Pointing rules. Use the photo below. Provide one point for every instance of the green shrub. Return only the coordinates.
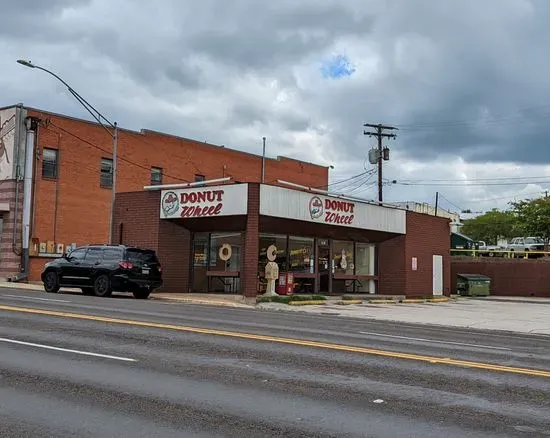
(347, 298)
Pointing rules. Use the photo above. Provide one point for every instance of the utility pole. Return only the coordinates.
(436, 202)
(383, 153)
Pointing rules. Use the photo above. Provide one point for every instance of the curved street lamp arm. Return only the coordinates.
(95, 113)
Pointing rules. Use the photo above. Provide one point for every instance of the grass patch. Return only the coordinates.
(348, 298)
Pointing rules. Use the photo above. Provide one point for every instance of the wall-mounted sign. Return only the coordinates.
(7, 143)
(299, 205)
(226, 200)
(414, 264)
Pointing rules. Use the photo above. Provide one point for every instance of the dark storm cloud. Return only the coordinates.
(451, 74)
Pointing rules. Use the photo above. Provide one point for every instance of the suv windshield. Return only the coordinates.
(140, 256)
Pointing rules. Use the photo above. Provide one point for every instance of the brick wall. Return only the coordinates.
(74, 208)
(426, 236)
(10, 262)
(174, 252)
(509, 277)
(249, 269)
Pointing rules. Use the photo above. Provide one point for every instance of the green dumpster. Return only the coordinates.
(473, 285)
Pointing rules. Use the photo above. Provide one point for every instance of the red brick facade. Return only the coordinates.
(426, 236)
(509, 277)
(10, 254)
(73, 208)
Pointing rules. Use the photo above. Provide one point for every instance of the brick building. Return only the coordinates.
(218, 239)
(56, 180)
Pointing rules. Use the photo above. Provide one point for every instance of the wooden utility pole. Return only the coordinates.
(379, 134)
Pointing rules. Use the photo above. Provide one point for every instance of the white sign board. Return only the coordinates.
(311, 207)
(7, 142)
(414, 264)
(209, 201)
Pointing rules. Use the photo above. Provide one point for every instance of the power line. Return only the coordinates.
(475, 179)
(110, 153)
(471, 184)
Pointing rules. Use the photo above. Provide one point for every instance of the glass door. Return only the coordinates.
(323, 264)
(199, 256)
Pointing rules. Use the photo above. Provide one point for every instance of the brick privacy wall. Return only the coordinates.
(249, 267)
(426, 236)
(74, 208)
(509, 277)
(391, 266)
(10, 262)
(139, 212)
(174, 252)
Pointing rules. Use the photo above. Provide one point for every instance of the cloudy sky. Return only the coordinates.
(467, 83)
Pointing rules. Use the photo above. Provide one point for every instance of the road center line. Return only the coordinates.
(434, 341)
(23, 297)
(288, 341)
(66, 350)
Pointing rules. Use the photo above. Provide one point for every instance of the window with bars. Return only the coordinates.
(49, 163)
(156, 176)
(106, 173)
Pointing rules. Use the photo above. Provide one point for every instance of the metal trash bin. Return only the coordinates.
(473, 285)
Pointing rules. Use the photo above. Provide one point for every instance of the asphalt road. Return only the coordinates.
(72, 365)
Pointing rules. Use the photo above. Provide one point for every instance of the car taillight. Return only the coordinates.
(126, 265)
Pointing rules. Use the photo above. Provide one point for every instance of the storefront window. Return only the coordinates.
(225, 251)
(266, 240)
(363, 261)
(302, 255)
(342, 257)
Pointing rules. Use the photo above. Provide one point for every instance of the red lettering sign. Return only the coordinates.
(338, 212)
(191, 203)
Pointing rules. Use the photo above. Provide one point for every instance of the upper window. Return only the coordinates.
(106, 175)
(156, 176)
(199, 178)
(49, 163)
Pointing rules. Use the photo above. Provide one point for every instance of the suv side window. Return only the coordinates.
(112, 255)
(93, 255)
(77, 254)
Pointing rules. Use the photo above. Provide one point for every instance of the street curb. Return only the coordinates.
(348, 302)
(437, 300)
(22, 286)
(382, 302)
(202, 302)
(413, 300)
(306, 303)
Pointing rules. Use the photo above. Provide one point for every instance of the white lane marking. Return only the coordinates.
(436, 342)
(66, 350)
(23, 297)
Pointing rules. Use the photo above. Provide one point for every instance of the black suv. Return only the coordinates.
(102, 269)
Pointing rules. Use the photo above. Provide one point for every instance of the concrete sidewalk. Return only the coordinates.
(507, 315)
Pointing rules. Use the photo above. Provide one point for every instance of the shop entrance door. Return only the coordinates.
(323, 264)
(199, 257)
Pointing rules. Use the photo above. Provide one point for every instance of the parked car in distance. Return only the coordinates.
(490, 250)
(526, 244)
(101, 270)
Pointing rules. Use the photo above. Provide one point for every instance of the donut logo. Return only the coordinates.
(315, 207)
(170, 203)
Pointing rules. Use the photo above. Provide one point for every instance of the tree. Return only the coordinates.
(533, 217)
(491, 226)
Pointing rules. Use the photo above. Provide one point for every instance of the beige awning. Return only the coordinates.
(4, 206)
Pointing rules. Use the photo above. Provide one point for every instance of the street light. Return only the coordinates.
(97, 116)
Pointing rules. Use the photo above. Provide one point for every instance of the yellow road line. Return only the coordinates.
(300, 342)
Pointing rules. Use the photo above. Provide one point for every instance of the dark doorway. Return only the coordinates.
(323, 264)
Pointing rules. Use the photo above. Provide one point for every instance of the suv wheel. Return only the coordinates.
(102, 286)
(51, 282)
(142, 294)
